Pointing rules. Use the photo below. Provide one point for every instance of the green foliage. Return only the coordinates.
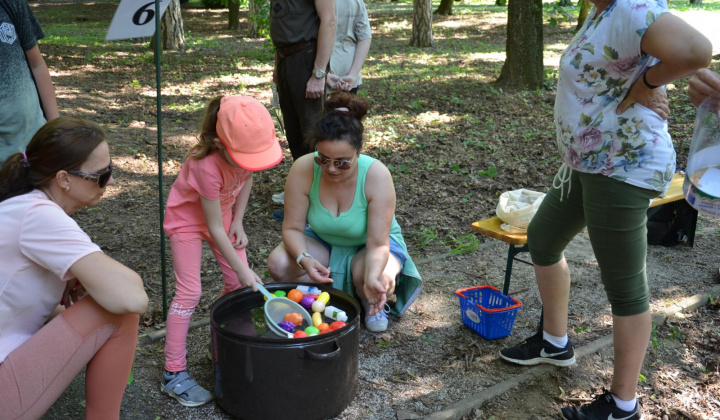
(490, 172)
(426, 236)
(464, 244)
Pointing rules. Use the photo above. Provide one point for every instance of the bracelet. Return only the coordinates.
(303, 255)
(644, 79)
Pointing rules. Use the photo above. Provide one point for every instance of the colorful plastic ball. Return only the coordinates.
(312, 331)
(287, 326)
(323, 326)
(318, 306)
(295, 295)
(307, 301)
(325, 331)
(300, 334)
(279, 293)
(337, 325)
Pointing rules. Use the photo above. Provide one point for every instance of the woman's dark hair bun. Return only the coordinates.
(356, 106)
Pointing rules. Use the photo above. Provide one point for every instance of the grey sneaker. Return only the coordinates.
(279, 198)
(377, 322)
(184, 389)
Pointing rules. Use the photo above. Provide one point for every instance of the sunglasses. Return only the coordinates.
(342, 164)
(101, 179)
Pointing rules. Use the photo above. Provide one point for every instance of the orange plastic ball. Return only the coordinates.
(295, 295)
(300, 334)
(323, 326)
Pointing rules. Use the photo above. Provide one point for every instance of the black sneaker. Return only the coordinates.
(535, 350)
(602, 408)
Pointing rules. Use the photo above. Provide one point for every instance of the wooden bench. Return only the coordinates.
(518, 241)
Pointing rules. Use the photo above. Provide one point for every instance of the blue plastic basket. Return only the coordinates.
(487, 311)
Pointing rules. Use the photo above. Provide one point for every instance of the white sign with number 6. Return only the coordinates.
(134, 19)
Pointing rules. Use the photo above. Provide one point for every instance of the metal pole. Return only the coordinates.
(161, 200)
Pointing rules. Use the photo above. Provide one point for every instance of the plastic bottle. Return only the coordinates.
(335, 313)
(702, 179)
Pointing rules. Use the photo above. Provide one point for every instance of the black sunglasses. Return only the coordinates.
(342, 164)
(101, 179)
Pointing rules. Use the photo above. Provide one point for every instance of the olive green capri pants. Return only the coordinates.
(615, 214)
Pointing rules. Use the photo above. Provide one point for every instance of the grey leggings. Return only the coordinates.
(615, 214)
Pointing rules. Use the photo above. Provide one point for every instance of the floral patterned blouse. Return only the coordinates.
(596, 71)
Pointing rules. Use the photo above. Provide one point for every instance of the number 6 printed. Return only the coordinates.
(134, 19)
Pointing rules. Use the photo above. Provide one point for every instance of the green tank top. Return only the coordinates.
(350, 227)
(348, 231)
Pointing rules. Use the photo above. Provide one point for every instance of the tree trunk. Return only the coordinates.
(565, 3)
(696, 2)
(234, 14)
(523, 68)
(253, 15)
(171, 26)
(585, 7)
(422, 24)
(445, 8)
(500, 2)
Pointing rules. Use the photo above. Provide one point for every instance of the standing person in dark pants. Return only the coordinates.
(303, 32)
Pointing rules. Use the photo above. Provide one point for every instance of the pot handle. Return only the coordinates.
(323, 356)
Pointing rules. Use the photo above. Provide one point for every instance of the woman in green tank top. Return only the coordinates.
(339, 224)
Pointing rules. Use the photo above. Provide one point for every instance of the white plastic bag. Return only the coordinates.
(516, 208)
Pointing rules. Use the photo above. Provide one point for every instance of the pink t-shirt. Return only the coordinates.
(38, 245)
(211, 177)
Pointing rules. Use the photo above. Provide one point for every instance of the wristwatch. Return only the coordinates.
(319, 73)
(303, 255)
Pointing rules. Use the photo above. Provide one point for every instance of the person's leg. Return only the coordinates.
(617, 218)
(299, 113)
(283, 267)
(35, 374)
(187, 256)
(557, 221)
(555, 224)
(631, 335)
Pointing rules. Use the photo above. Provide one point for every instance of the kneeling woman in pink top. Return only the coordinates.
(50, 264)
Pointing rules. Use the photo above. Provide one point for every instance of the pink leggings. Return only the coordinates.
(35, 374)
(187, 258)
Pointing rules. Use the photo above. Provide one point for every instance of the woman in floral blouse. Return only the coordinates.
(617, 156)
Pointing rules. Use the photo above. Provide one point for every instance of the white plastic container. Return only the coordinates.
(335, 313)
(702, 175)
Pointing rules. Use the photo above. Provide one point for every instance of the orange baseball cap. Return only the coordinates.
(247, 130)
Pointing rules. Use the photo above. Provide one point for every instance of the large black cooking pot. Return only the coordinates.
(260, 376)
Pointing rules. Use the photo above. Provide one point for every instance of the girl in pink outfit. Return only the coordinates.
(207, 203)
(50, 265)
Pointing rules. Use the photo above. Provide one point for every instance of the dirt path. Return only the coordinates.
(428, 362)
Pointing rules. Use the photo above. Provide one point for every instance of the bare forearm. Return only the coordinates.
(295, 242)
(222, 242)
(44, 84)
(361, 51)
(376, 258)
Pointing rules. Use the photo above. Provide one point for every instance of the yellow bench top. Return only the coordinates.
(491, 227)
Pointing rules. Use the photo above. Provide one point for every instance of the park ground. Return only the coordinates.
(453, 142)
